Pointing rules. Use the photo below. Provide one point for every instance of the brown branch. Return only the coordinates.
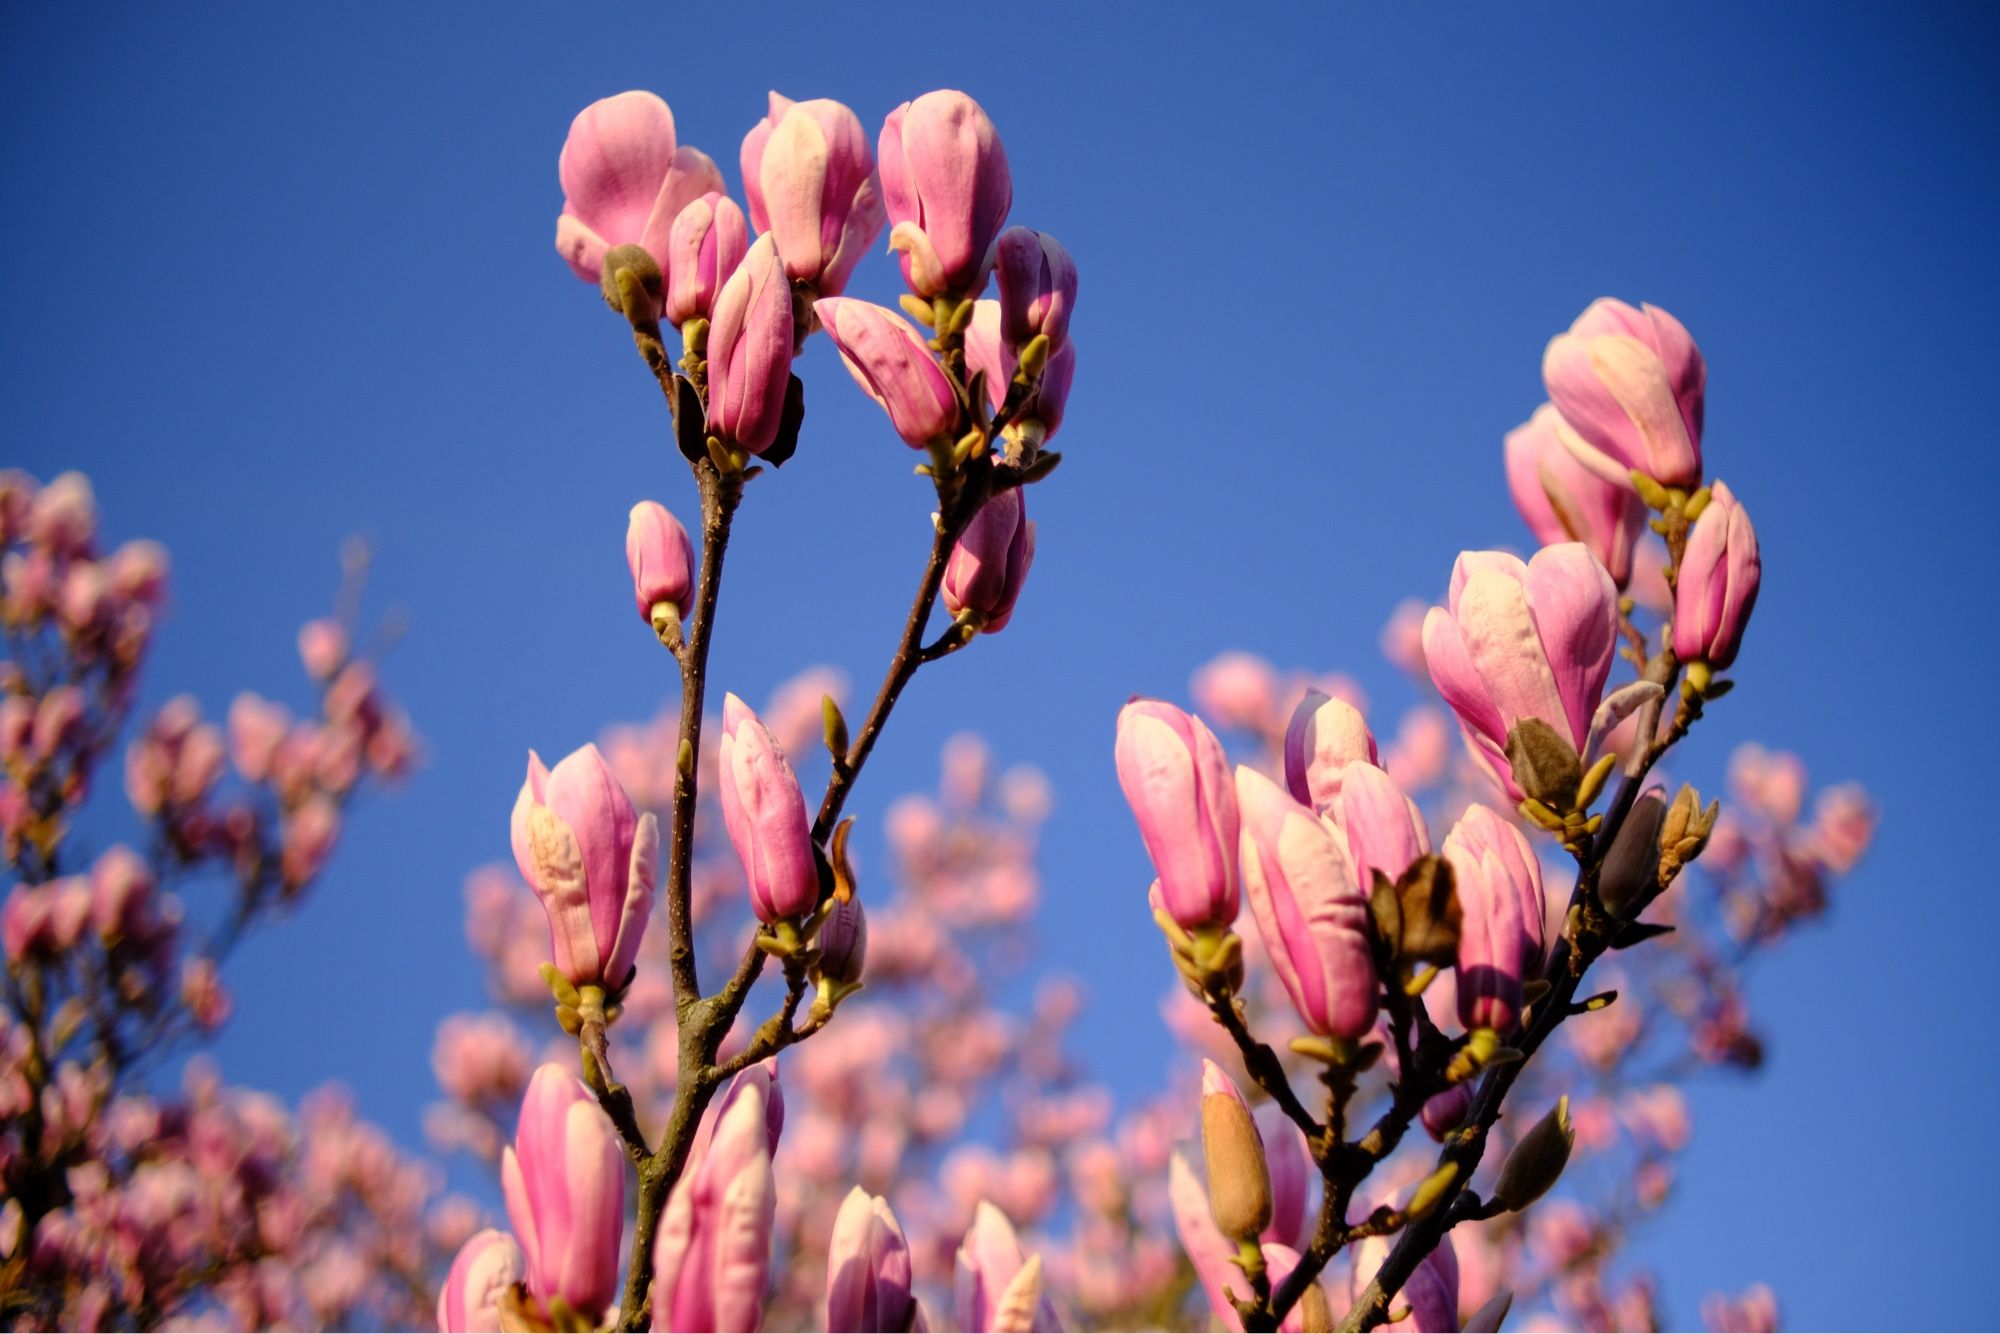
(719, 498)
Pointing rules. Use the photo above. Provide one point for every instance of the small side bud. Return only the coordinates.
(1433, 1190)
(843, 951)
(1537, 1161)
(1239, 1180)
(1685, 830)
(833, 728)
(1630, 877)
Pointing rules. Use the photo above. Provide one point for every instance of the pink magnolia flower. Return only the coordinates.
(868, 1269)
(485, 1267)
(1631, 383)
(1385, 830)
(713, 1256)
(1213, 1254)
(815, 189)
(1500, 898)
(1717, 583)
(591, 859)
(564, 1179)
(986, 350)
(1515, 641)
(1312, 918)
(989, 564)
(765, 814)
(1037, 287)
(947, 187)
(1292, 1176)
(750, 351)
(1431, 1294)
(751, 158)
(1324, 737)
(625, 179)
(662, 561)
(1564, 501)
(1176, 779)
(708, 241)
(996, 1284)
(893, 366)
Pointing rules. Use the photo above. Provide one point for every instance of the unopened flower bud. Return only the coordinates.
(1037, 287)
(1630, 383)
(989, 565)
(750, 351)
(1716, 586)
(1685, 830)
(1239, 1180)
(662, 564)
(1630, 876)
(1537, 1161)
(843, 943)
(947, 189)
(1176, 779)
(709, 239)
(765, 815)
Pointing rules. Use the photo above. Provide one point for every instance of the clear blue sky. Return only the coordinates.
(276, 274)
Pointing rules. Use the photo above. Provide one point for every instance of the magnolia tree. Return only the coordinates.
(1470, 964)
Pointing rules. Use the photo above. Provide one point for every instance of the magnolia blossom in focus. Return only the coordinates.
(1324, 737)
(1177, 780)
(591, 858)
(750, 351)
(947, 187)
(713, 1256)
(708, 240)
(989, 564)
(625, 180)
(1717, 585)
(1523, 640)
(564, 1178)
(891, 363)
(765, 814)
(1312, 918)
(1499, 884)
(1631, 384)
(810, 177)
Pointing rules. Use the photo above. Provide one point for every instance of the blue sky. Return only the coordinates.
(274, 275)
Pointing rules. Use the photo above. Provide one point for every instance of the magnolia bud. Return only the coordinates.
(1537, 1161)
(1685, 830)
(1630, 876)
(1239, 1181)
(843, 943)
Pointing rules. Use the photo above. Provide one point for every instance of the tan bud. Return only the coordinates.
(1630, 875)
(1537, 1162)
(1315, 1316)
(1239, 1180)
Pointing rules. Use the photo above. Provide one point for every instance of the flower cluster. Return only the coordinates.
(1426, 922)
(122, 1206)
